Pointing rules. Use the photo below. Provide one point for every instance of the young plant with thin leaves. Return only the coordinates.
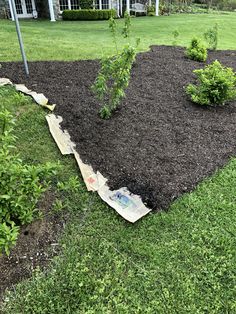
(114, 75)
(211, 36)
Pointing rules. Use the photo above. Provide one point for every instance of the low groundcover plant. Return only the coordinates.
(21, 185)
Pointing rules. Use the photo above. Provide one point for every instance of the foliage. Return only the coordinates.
(175, 34)
(112, 80)
(88, 14)
(114, 76)
(211, 36)
(216, 85)
(113, 29)
(151, 10)
(21, 185)
(127, 25)
(196, 51)
(195, 6)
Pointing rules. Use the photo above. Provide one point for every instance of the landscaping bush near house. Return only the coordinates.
(21, 185)
(196, 51)
(151, 10)
(88, 14)
(216, 85)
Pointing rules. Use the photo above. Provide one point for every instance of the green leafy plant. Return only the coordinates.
(127, 25)
(21, 185)
(175, 34)
(216, 85)
(197, 51)
(113, 29)
(211, 36)
(72, 184)
(151, 10)
(114, 75)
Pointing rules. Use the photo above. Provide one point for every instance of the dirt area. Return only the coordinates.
(36, 246)
(158, 143)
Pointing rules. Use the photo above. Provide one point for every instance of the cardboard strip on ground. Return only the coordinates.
(5, 81)
(62, 138)
(40, 99)
(128, 205)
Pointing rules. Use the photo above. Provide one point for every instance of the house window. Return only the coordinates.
(19, 9)
(105, 4)
(74, 4)
(29, 7)
(69, 5)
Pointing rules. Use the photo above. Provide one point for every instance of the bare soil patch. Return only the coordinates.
(36, 246)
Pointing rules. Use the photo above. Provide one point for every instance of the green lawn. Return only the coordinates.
(45, 40)
(180, 261)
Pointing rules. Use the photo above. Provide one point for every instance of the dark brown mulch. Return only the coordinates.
(36, 245)
(158, 144)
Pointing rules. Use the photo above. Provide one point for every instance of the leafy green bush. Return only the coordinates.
(151, 10)
(217, 85)
(114, 76)
(211, 36)
(21, 185)
(88, 14)
(196, 51)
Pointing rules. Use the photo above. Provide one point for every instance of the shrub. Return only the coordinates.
(21, 185)
(211, 36)
(196, 51)
(88, 14)
(217, 85)
(113, 78)
(151, 9)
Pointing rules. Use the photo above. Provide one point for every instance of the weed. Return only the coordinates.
(175, 34)
(211, 36)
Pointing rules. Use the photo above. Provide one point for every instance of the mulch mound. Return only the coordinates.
(158, 143)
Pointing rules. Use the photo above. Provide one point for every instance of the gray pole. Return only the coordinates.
(19, 37)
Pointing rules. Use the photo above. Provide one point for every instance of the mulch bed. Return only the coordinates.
(158, 143)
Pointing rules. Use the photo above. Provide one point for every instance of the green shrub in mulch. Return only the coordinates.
(216, 85)
(197, 51)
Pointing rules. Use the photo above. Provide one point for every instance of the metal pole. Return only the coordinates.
(19, 36)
